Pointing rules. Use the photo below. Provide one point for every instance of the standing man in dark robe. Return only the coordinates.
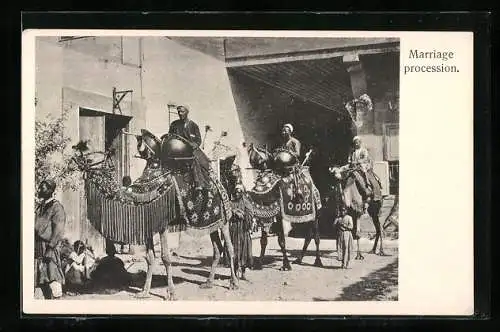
(189, 130)
(50, 220)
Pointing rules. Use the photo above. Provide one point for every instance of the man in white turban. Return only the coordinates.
(289, 142)
(359, 158)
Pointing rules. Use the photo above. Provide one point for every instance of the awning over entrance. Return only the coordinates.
(324, 82)
(315, 70)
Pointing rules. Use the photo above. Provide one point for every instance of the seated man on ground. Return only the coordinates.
(78, 267)
(110, 273)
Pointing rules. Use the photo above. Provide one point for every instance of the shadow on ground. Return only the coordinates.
(296, 252)
(204, 274)
(135, 285)
(138, 279)
(377, 286)
(201, 261)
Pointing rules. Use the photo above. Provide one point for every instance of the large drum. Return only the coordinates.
(284, 161)
(176, 152)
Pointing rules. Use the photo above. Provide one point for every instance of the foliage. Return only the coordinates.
(105, 180)
(52, 160)
(69, 167)
(101, 173)
(358, 106)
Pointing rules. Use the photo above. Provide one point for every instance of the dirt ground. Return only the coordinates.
(373, 279)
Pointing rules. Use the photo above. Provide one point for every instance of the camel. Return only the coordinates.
(351, 189)
(163, 159)
(267, 165)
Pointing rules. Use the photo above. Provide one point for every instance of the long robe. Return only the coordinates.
(360, 158)
(240, 229)
(345, 241)
(293, 145)
(48, 264)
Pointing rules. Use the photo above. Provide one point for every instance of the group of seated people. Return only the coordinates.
(83, 272)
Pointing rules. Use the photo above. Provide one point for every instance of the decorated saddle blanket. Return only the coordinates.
(157, 200)
(300, 198)
(359, 180)
(203, 211)
(127, 221)
(149, 186)
(262, 201)
(294, 196)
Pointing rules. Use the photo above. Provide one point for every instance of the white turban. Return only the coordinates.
(289, 126)
(184, 107)
(356, 138)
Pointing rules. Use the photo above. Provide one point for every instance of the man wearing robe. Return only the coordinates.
(289, 142)
(50, 220)
(360, 159)
(189, 130)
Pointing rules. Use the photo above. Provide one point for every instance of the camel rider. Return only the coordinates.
(189, 130)
(359, 159)
(290, 143)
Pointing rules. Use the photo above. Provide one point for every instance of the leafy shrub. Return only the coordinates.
(52, 159)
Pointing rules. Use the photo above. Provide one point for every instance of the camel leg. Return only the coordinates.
(375, 243)
(378, 228)
(218, 249)
(377, 235)
(307, 241)
(281, 241)
(359, 256)
(233, 284)
(150, 260)
(315, 226)
(356, 216)
(263, 245)
(167, 262)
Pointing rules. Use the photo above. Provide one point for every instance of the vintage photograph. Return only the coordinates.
(216, 168)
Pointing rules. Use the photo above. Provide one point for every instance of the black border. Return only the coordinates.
(478, 22)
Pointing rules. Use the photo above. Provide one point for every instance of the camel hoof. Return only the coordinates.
(143, 295)
(360, 257)
(298, 261)
(383, 254)
(233, 285)
(170, 296)
(207, 285)
(318, 263)
(286, 267)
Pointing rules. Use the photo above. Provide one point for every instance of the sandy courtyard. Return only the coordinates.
(374, 278)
